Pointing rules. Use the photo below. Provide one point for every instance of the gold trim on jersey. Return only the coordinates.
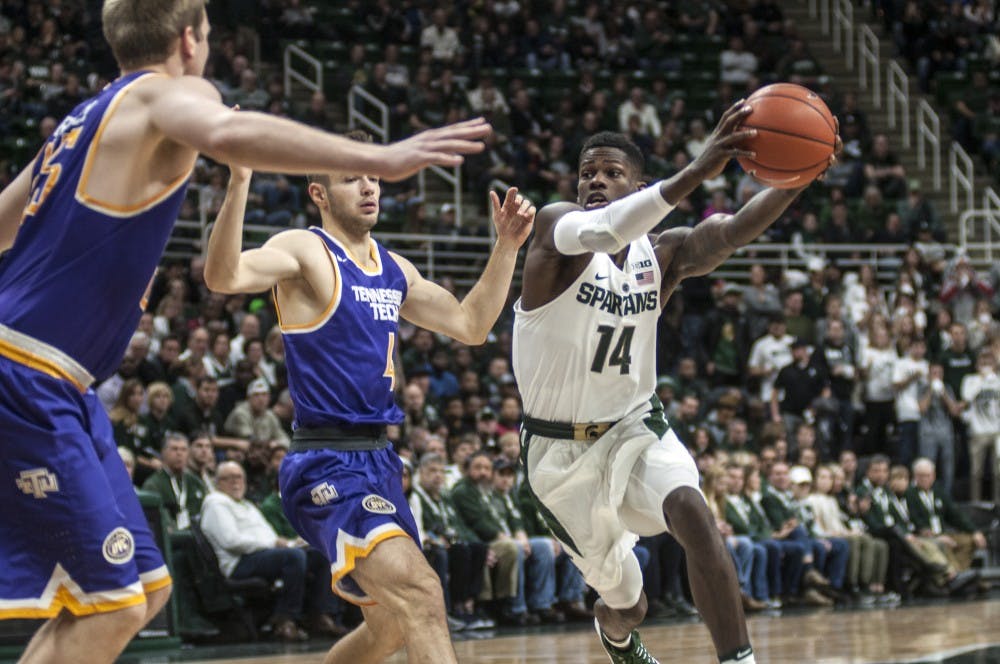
(62, 592)
(42, 357)
(113, 209)
(331, 307)
(350, 548)
(372, 253)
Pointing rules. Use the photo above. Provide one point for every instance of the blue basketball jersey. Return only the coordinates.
(76, 274)
(340, 368)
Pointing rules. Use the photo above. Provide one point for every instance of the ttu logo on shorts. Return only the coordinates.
(118, 547)
(37, 482)
(323, 494)
(378, 505)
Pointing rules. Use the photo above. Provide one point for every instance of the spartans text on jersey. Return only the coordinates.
(619, 305)
(385, 302)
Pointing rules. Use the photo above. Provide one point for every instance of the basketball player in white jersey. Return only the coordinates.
(85, 224)
(601, 460)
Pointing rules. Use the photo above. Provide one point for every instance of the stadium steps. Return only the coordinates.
(844, 79)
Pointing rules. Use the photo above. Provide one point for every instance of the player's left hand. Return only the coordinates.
(514, 219)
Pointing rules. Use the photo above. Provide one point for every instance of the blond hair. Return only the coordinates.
(142, 32)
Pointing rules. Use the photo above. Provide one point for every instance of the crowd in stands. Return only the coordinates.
(954, 50)
(547, 75)
(835, 422)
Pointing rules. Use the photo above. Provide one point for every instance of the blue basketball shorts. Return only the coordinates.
(72, 532)
(344, 503)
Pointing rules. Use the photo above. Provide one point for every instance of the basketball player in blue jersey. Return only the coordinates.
(339, 296)
(85, 224)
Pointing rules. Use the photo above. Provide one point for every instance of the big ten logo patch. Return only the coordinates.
(119, 547)
(378, 505)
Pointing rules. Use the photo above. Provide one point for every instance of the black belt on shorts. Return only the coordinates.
(353, 438)
(566, 430)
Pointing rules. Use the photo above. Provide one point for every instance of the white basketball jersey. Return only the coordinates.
(590, 354)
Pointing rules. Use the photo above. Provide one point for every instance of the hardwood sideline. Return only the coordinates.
(823, 637)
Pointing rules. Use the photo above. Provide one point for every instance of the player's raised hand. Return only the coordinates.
(441, 147)
(514, 219)
(725, 141)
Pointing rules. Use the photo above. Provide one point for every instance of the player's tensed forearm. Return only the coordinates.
(715, 239)
(485, 301)
(226, 241)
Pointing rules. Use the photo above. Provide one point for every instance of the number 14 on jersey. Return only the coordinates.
(621, 354)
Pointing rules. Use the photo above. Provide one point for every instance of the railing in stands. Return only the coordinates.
(962, 175)
(972, 224)
(293, 56)
(843, 30)
(453, 177)
(462, 258)
(929, 132)
(869, 52)
(898, 92)
(358, 101)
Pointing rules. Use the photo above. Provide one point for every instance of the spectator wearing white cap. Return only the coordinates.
(251, 419)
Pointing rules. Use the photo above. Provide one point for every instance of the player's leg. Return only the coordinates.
(374, 640)
(710, 569)
(621, 608)
(663, 493)
(397, 576)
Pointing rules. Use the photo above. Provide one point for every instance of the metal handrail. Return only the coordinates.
(356, 116)
(980, 252)
(898, 92)
(960, 178)
(843, 25)
(314, 83)
(929, 131)
(869, 53)
(453, 177)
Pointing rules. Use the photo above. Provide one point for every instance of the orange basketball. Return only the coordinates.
(795, 136)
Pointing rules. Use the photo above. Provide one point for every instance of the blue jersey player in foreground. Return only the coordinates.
(85, 224)
(339, 295)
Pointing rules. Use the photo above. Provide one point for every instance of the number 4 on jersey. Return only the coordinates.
(621, 354)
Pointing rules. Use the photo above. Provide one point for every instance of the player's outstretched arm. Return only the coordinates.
(692, 252)
(613, 227)
(189, 110)
(230, 270)
(689, 252)
(13, 200)
(470, 321)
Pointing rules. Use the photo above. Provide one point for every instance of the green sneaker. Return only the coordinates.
(636, 653)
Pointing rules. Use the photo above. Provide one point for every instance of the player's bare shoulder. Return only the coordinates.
(545, 222)
(155, 89)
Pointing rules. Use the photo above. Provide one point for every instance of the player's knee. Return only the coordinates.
(685, 509)
(156, 600)
(418, 596)
(130, 620)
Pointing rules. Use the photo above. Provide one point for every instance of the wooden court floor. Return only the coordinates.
(912, 634)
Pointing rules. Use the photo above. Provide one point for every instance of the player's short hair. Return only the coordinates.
(359, 135)
(613, 139)
(142, 32)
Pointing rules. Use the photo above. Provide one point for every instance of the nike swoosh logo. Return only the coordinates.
(341, 259)
(743, 653)
(600, 276)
